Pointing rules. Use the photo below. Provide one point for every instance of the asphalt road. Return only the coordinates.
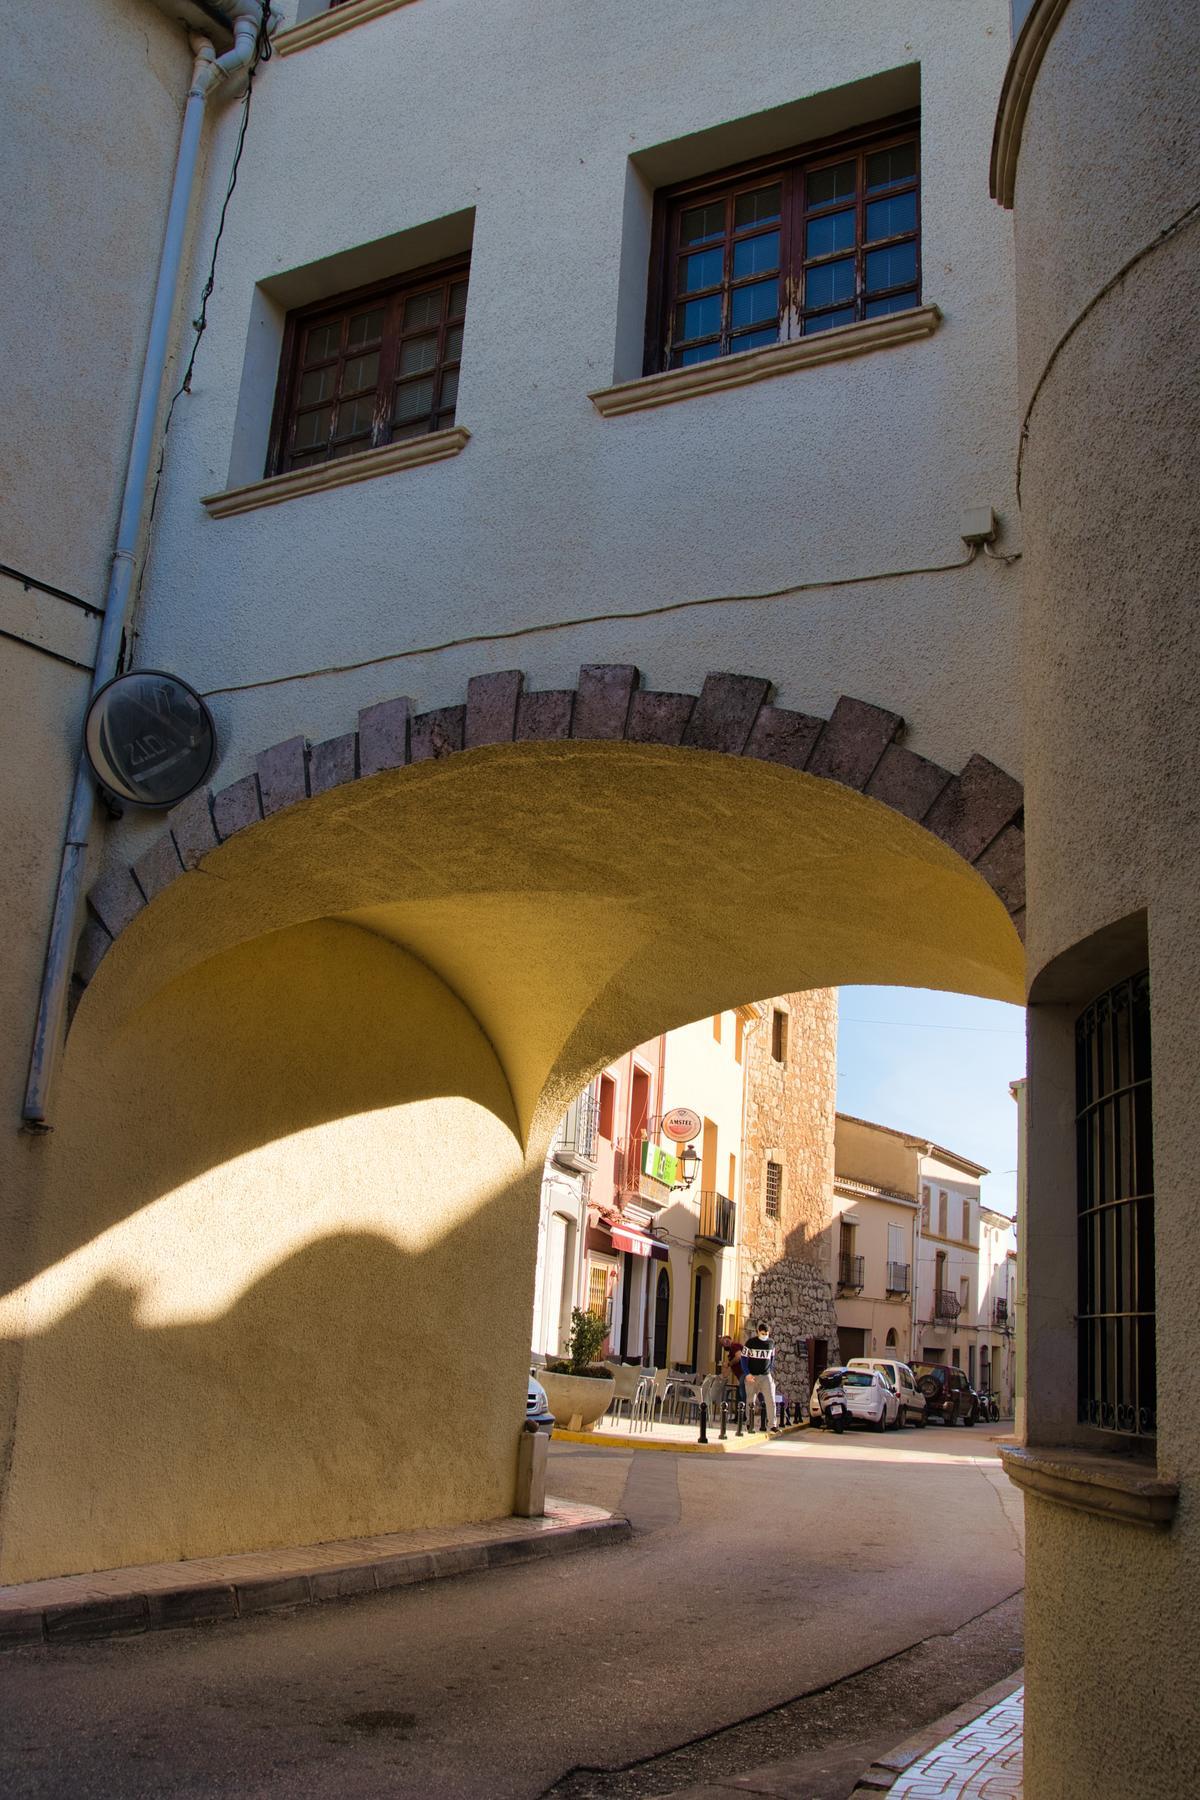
(751, 1581)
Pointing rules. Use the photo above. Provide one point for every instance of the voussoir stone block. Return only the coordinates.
(724, 715)
(383, 733)
(438, 733)
(492, 708)
(159, 866)
(192, 827)
(1002, 866)
(116, 899)
(544, 716)
(237, 806)
(974, 808)
(602, 700)
(283, 775)
(908, 783)
(781, 736)
(658, 718)
(854, 740)
(333, 762)
(94, 944)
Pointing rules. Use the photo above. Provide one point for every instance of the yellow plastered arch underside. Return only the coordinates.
(580, 897)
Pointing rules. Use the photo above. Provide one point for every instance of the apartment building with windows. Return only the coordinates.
(996, 1320)
(874, 1239)
(946, 1311)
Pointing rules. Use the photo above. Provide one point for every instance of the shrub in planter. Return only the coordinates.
(578, 1394)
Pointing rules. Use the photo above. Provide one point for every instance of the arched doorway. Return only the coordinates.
(890, 1341)
(662, 1319)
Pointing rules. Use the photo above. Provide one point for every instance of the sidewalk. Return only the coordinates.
(159, 1596)
(974, 1753)
(669, 1436)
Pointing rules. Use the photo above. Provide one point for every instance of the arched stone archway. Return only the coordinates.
(977, 812)
(333, 1015)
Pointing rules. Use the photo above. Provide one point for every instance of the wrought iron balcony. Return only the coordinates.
(946, 1305)
(576, 1145)
(850, 1271)
(718, 1218)
(1000, 1312)
(898, 1278)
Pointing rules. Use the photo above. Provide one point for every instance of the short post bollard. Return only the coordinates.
(762, 1412)
(703, 1422)
(724, 1421)
(741, 1416)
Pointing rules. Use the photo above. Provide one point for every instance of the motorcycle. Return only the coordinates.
(834, 1411)
(989, 1409)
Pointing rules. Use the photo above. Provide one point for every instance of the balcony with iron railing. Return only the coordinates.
(575, 1146)
(898, 1281)
(850, 1271)
(718, 1218)
(945, 1304)
(1000, 1313)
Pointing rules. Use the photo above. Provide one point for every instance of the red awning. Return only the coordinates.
(636, 1242)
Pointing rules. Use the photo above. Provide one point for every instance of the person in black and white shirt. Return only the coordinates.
(759, 1354)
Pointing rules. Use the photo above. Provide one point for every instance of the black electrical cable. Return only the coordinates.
(263, 52)
(31, 644)
(44, 587)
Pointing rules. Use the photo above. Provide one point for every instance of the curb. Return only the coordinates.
(886, 1770)
(612, 1440)
(208, 1602)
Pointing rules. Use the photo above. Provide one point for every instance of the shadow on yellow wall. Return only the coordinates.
(277, 1284)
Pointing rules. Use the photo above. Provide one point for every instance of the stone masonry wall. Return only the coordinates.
(796, 1301)
(790, 1112)
(790, 1109)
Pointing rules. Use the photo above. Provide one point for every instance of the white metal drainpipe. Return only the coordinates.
(208, 72)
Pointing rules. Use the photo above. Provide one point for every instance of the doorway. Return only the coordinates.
(662, 1318)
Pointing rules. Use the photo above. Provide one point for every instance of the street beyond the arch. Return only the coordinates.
(807, 1603)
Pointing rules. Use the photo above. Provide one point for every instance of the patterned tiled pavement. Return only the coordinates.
(980, 1762)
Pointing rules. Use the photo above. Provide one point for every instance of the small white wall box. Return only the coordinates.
(978, 525)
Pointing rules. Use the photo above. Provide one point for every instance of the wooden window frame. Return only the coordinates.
(791, 167)
(394, 295)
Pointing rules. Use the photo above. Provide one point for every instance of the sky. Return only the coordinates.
(937, 1065)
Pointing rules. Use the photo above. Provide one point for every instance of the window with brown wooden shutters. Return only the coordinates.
(786, 247)
(370, 368)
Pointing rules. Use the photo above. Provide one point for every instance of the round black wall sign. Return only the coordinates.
(149, 738)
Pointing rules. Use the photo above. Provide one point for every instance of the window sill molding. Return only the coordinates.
(1110, 1487)
(410, 453)
(772, 359)
(332, 24)
(1028, 53)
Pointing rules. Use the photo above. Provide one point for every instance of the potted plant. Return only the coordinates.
(577, 1392)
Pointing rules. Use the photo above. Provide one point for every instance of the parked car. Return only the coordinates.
(912, 1400)
(948, 1393)
(870, 1398)
(537, 1410)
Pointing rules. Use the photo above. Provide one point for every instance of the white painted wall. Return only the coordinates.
(529, 120)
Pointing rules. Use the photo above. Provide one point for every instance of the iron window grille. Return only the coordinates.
(850, 1270)
(1115, 1194)
(369, 368)
(774, 1189)
(946, 1305)
(786, 247)
(898, 1278)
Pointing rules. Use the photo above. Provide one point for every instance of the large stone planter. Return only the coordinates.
(576, 1401)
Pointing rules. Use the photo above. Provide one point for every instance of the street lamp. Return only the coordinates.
(689, 1162)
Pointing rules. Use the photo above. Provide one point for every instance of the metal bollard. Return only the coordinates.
(724, 1421)
(741, 1416)
(762, 1412)
(703, 1422)
(780, 1414)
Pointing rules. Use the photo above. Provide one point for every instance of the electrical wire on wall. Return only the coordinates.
(262, 53)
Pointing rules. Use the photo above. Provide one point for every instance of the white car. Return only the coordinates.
(869, 1397)
(912, 1400)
